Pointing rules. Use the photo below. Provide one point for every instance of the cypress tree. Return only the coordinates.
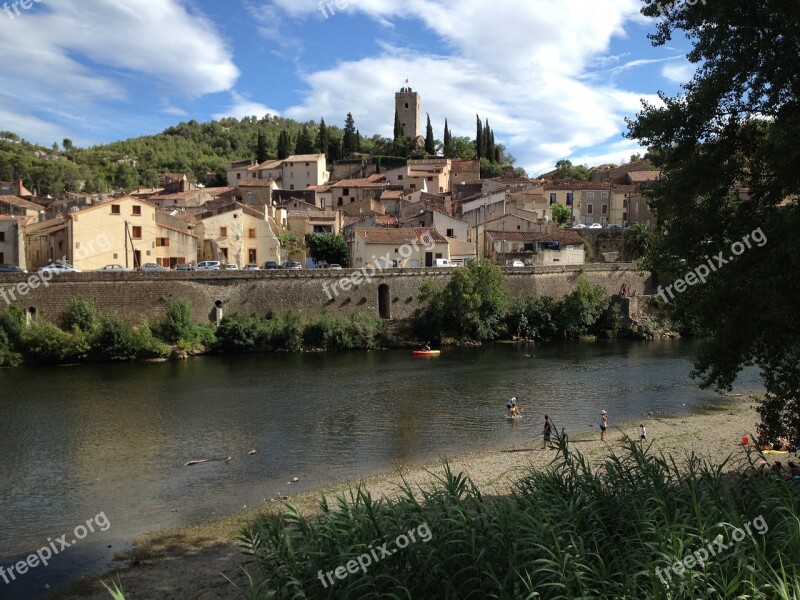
(349, 141)
(322, 137)
(358, 141)
(488, 151)
(305, 144)
(430, 143)
(447, 140)
(262, 150)
(479, 139)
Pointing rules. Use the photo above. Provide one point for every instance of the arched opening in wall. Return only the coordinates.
(30, 315)
(384, 301)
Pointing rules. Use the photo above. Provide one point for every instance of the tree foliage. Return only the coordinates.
(727, 147)
(327, 248)
(349, 144)
(561, 214)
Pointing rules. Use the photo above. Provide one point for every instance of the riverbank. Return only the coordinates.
(189, 562)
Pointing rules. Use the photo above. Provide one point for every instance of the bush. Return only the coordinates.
(179, 325)
(81, 315)
(116, 341)
(582, 309)
(12, 325)
(45, 344)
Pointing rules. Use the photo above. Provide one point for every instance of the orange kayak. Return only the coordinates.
(426, 352)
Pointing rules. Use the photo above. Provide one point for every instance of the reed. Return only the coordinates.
(569, 531)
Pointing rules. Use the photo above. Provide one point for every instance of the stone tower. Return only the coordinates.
(407, 104)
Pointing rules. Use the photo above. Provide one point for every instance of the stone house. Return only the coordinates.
(404, 247)
(240, 234)
(559, 247)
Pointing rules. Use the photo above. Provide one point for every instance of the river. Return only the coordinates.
(110, 442)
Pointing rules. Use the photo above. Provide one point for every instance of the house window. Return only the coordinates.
(291, 187)
(77, 245)
(603, 195)
(224, 253)
(238, 176)
(590, 196)
(413, 186)
(399, 178)
(430, 178)
(569, 198)
(450, 233)
(625, 203)
(553, 198)
(341, 201)
(136, 232)
(252, 256)
(137, 211)
(2, 238)
(115, 209)
(249, 194)
(307, 164)
(604, 209)
(251, 233)
(116, 256)
(589, 209)
(162, 242)
(2, 258)
(346, 192)
(406, 104)
(223, 232)
(308, 173)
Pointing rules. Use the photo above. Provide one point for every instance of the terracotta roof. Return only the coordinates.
(398, 237)
(256, 183)
(386, 220)
(392, 195)
(561, 236)
(357, 183)
(270, 164)
(574, 184)
(305, 158)
(21, 202)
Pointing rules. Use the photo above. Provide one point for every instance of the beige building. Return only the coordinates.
(401, 248)
(556, 248)
(15, 206)
(428, 175)
(121, 231)
(240, 235)
(304, 170)
(12, 240)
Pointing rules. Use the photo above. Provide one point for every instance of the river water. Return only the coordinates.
(110, 442)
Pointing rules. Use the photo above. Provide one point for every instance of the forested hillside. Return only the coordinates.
(201, 148)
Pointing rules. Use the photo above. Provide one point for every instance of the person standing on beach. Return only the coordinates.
(642, 434)
(546, 432)
(603, 424)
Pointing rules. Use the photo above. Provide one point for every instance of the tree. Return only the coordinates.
(305, 144)
(322, 137)
(358, 141)
(638, 238)
(67, 145)
(327, 248)
(462, 147)
(581, 309)
(349, 143)
(430, 143)
(728, 153)
(479, 149)
(9, 135)
(472, 305)
(448, 145)
(399, 142)
(561, 214)
(488, 150)
(262, 150)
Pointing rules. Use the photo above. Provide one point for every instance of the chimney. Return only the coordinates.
(19, 188)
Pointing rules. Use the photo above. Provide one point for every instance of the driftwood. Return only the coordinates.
(205, 460)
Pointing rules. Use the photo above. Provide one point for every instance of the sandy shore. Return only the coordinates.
(189, 562)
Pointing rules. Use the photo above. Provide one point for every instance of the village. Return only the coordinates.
(260, 220)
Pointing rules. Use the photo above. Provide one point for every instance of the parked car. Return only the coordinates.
(184, 267)
(208, 265)
(113, 269)
(579, 226)
(595, 226)
(58, 267)
(252, 267)
(614, 226)
(152, 268)
(292, 265)
(442, 262)
(335, 267)
(4, 268)
(230, 267)
(515, 263)
(271, 264)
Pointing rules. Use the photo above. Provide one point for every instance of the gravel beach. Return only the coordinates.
(189, 562)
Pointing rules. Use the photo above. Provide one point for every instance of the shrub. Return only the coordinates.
(12, 324)
(116, 341)
(582, 309)
(80, 315)
(45, 344)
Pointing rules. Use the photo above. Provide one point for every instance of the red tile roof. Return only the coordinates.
(560, 236)
(400, 236)
(256, 183)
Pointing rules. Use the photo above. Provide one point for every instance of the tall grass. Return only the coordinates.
(563, 533)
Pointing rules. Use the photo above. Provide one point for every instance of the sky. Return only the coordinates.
(555, 78)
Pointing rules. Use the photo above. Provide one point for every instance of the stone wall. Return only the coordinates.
(133, 295)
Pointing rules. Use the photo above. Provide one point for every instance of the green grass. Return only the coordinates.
(567, 532)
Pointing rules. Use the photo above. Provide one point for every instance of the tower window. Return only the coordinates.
(406, 104)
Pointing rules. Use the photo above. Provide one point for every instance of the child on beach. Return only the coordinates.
(642, 433)
(603, 424)
(546, 432)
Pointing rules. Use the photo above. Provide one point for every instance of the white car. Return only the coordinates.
(230, 267)
(252, 267)
(595, 226)
(113, 269)
(58, 267)
(579, 226)
(208, 265)
(515, 263)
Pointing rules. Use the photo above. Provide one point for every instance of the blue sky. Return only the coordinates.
(555, 78)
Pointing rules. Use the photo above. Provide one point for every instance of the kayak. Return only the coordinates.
(426, 352)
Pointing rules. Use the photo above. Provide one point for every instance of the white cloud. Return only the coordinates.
(83, 54)
(680, 73)
(242, 106)
(525, 66)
